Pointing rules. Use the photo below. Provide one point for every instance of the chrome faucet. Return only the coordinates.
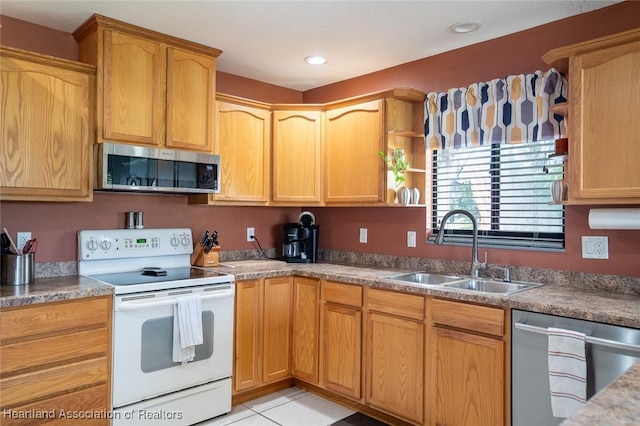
(476, 266)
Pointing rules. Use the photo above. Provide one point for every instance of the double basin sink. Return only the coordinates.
(481, 285)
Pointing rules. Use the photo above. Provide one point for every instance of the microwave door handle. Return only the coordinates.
(137, 305)
(589, 339)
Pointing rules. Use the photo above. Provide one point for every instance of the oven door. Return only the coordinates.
(143, 340)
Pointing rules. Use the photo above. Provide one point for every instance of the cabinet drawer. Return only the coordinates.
(35, 353)
(406, 305)
(54, 317)
(31, 386)
(482, 319)
(345, 294)
(94, 400)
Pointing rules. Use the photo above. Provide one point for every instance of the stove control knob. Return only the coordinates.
(174, 241)
(92, 245)
(105, 244)
(186, 240)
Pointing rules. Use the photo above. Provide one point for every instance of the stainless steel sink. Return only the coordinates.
(425, 278)
(492, 286)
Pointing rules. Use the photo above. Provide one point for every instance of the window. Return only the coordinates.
(506, 188)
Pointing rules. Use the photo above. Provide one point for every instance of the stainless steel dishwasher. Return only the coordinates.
(610, 351)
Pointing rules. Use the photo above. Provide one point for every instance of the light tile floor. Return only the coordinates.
(288, 407)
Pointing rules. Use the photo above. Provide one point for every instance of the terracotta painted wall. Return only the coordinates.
(56, 224)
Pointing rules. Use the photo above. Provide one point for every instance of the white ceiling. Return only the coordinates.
(267, 40)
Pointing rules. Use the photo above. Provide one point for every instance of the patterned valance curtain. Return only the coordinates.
(508, 110)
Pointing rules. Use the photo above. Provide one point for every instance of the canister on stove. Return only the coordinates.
(130, 221)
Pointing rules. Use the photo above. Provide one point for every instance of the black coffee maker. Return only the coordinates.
(300, 243)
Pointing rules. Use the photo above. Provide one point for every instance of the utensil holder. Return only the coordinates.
(17, 269)
(200, 258)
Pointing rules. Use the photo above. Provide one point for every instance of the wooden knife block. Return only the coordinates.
(200, 258)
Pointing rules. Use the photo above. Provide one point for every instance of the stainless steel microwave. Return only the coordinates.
(122, 167)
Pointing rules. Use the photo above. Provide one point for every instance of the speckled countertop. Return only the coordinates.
(615, 405)
(51, 290)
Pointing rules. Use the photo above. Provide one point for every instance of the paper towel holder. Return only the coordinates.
(614, 218)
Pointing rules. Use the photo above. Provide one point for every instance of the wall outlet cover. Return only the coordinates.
(411, 238)
(595, 247)
(363, 235)
(22, 238)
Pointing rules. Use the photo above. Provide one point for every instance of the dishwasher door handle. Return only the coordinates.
(589, 339)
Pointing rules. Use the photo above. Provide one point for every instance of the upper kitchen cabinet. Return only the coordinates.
(153, 89)
(604, 106)
(243, 141)
(353, 171)
(296, 163)
(356, 130)
(46, 106)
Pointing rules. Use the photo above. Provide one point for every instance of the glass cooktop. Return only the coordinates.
(189, 276)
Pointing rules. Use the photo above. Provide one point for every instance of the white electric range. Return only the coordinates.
(149, 269)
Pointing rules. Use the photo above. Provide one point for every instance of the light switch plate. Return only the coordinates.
(595, 247)
(411, 238)
(363, 235)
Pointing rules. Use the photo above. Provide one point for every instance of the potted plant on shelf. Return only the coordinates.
(397, 163)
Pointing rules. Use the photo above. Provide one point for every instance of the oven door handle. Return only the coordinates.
(138, 304)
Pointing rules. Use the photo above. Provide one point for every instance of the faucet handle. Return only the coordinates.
(485, 264)
(506, 272)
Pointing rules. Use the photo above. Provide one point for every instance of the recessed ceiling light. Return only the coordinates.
(465, 27)
(315, 60)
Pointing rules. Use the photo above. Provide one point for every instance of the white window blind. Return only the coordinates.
(506, 188)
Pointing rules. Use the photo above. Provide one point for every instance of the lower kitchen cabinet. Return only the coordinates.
(277, 313)
(467, 364)
(342, 339)
(56, 360)
(306, 329)
(262, 338)
(395, 354)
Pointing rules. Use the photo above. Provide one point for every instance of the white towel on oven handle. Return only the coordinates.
(567, 371)
(187, 328)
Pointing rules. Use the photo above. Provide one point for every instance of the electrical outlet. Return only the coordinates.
(250, 234)
(595, 247)
(363, 235)
(22, 238)
(411, 238)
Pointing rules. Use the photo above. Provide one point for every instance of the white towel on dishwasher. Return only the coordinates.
(187, 328)
(567, 371)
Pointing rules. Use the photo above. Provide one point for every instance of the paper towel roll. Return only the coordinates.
(614, 218)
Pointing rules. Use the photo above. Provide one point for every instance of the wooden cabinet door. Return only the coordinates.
(467, 374)
(243, 139)
(191, 95)
(306, 328)
(278, 307)
(46, 128)
(342, 338)
(297, 157)
(354, 172)
(247, 335)
(604, 149)
(134, 90)
(394, 366)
